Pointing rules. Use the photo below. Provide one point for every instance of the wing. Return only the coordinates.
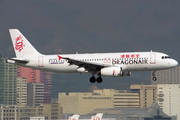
(89, 66)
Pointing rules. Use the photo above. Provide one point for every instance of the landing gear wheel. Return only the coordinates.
(154, 78)
(99, 79)
(153, 74)
(92, 79)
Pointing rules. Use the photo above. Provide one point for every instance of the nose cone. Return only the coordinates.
(174, 63)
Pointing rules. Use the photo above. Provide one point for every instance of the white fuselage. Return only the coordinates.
(129, 61)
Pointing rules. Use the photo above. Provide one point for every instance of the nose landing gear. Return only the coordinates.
(154, 77)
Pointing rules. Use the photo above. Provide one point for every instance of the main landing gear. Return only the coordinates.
(154, 77)
(93, 79)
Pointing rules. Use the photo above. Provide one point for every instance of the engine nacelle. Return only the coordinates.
(81, 70)
(113, 71)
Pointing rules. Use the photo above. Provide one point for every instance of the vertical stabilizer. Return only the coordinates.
(21, 44)
(97, 116)
(74, 117)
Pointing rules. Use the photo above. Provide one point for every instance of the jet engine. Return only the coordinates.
(113, 71)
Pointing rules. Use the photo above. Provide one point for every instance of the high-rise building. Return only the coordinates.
(147, 94)
(48, 111)
(32, 75)
(84, 103)
(2, 81)
(35, 94)
(169, 99)
(45, 78)
(21, 91)
(121, 98)
(8, 79)
(169, 76)
(37, 76)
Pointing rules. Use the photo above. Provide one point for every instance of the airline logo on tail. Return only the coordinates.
(19, 43)
(74, 117)
(97, 116)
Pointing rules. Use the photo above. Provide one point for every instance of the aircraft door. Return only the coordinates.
(152, 58)
(40, 62)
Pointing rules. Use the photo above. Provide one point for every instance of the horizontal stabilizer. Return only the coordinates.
(17, 60)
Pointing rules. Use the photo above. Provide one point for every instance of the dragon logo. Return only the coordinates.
(96, 118)
(19, 43)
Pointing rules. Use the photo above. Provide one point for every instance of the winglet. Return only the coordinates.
(59, 57)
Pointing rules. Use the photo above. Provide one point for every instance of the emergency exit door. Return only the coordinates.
(152, 58)
(40, 62)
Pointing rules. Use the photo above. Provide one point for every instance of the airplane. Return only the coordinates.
(103, 64)
(74, 117)
(98, 116)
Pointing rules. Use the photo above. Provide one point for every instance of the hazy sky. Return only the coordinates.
(68, 26)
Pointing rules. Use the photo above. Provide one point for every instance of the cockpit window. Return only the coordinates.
(166, 57)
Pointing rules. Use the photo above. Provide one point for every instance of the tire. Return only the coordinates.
(99, 79)
(154, 79)
(92, 79)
